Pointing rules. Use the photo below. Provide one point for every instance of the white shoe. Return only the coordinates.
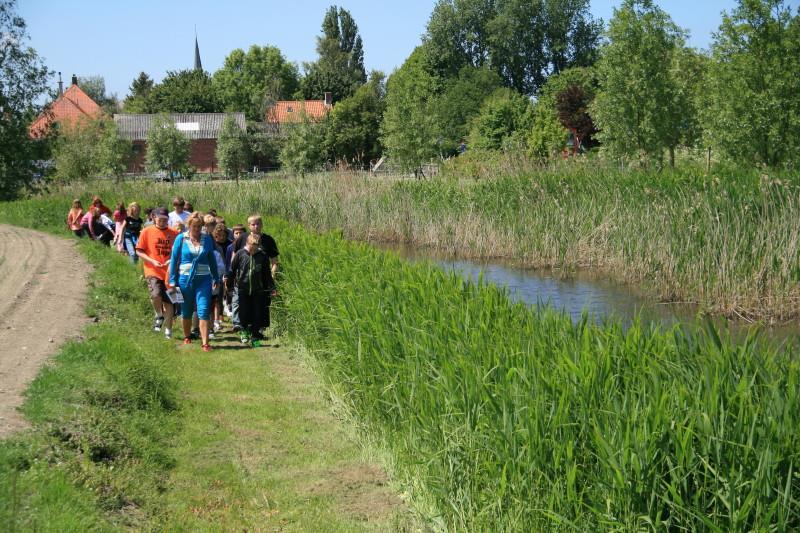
(167, 333)
(217, 326)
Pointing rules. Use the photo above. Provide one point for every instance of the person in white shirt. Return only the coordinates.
(179, 214)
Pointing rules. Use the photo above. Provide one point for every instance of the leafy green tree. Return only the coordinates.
(232, 150)
(137, 100)
(502, 115)
(353, 125)
(89, 149)
(409, 130)
(524, 41)
(303, 147)
(548, 135)
(23, 79)
(95, 88)
(572, 105)
(340, 66)
(458, 104)
(185, 91)
(252, 81)
(635, 108)
(167, 148)
(752, 104)
(265, 147)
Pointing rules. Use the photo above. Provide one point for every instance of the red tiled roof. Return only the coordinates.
(291, 110)
(70, 107)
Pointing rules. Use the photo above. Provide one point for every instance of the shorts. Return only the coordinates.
(198, 294)
(157, 288)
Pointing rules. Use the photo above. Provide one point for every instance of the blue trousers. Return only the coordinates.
(197, 295)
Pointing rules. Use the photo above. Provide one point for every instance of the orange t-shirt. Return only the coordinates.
(157, 244)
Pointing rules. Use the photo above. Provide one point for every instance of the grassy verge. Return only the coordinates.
(103, 415)
(727, 241)
(130, 432)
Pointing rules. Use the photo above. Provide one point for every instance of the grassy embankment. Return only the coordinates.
(504, 418)
(729, 242)
(130, 431)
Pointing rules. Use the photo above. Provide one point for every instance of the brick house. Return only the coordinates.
(202, 129)
(285, 112)
(70, 108)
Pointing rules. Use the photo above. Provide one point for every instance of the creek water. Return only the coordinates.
(587, 292)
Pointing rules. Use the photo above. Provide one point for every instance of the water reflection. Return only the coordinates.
(582, 292)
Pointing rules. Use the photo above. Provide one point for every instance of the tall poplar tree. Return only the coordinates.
(340, 66)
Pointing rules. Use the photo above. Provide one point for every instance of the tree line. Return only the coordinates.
(536, 77)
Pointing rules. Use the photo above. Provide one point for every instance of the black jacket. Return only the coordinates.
(251, 274)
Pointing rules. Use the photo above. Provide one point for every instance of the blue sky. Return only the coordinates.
(117, 40)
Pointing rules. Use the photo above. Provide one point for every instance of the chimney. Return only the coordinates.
(328, 99)
(74, 79)
(60, 85)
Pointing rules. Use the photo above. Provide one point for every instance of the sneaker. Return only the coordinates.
(211, 335)
(195, 334)
(237, 328)
(167, 333)
(206, 347)
(226, 310)
(187, 340)
(157, 323)
(217, 326)
(255, 343)
(244, 336)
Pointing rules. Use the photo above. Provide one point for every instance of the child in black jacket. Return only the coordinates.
(250, 273)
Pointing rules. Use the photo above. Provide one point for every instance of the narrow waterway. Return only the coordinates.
(583, 292)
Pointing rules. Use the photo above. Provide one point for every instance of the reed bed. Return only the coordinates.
(728, 242)
(512, 419)
(506, 418)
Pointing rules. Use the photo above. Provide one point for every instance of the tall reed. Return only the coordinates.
(728, 242)
(512, 419)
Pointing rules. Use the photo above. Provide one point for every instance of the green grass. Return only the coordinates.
(499, 417)
(130, 432)
(727, 241)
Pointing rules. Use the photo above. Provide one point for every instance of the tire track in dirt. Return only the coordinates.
(42, 295)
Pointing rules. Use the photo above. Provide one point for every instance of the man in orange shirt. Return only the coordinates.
(155, 248)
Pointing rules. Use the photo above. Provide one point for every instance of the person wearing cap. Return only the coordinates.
(154, 248)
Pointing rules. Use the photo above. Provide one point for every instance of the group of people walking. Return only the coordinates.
(193, 264)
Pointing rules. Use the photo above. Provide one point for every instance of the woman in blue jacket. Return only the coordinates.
(193, 268)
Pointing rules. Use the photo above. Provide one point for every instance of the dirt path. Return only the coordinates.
(42, 292)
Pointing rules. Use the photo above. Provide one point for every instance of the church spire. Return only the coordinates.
(197, 64)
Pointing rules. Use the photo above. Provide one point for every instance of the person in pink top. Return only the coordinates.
(90, 223)
(119, 224)
(74, 218)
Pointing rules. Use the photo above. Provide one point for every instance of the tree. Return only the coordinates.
(23, 79)
(137, 100)
(752, 104)
(89, 149)
(353, 129)
(409, 130)
(185, 91)
(232, 151)
(340, 66)
(302, 149)
(524, 41)
(502, 114)
(167, 148)
(251, 82)
(572, 105)
(635, 108)
(548, 135)
(458, 104)
(95, 88)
